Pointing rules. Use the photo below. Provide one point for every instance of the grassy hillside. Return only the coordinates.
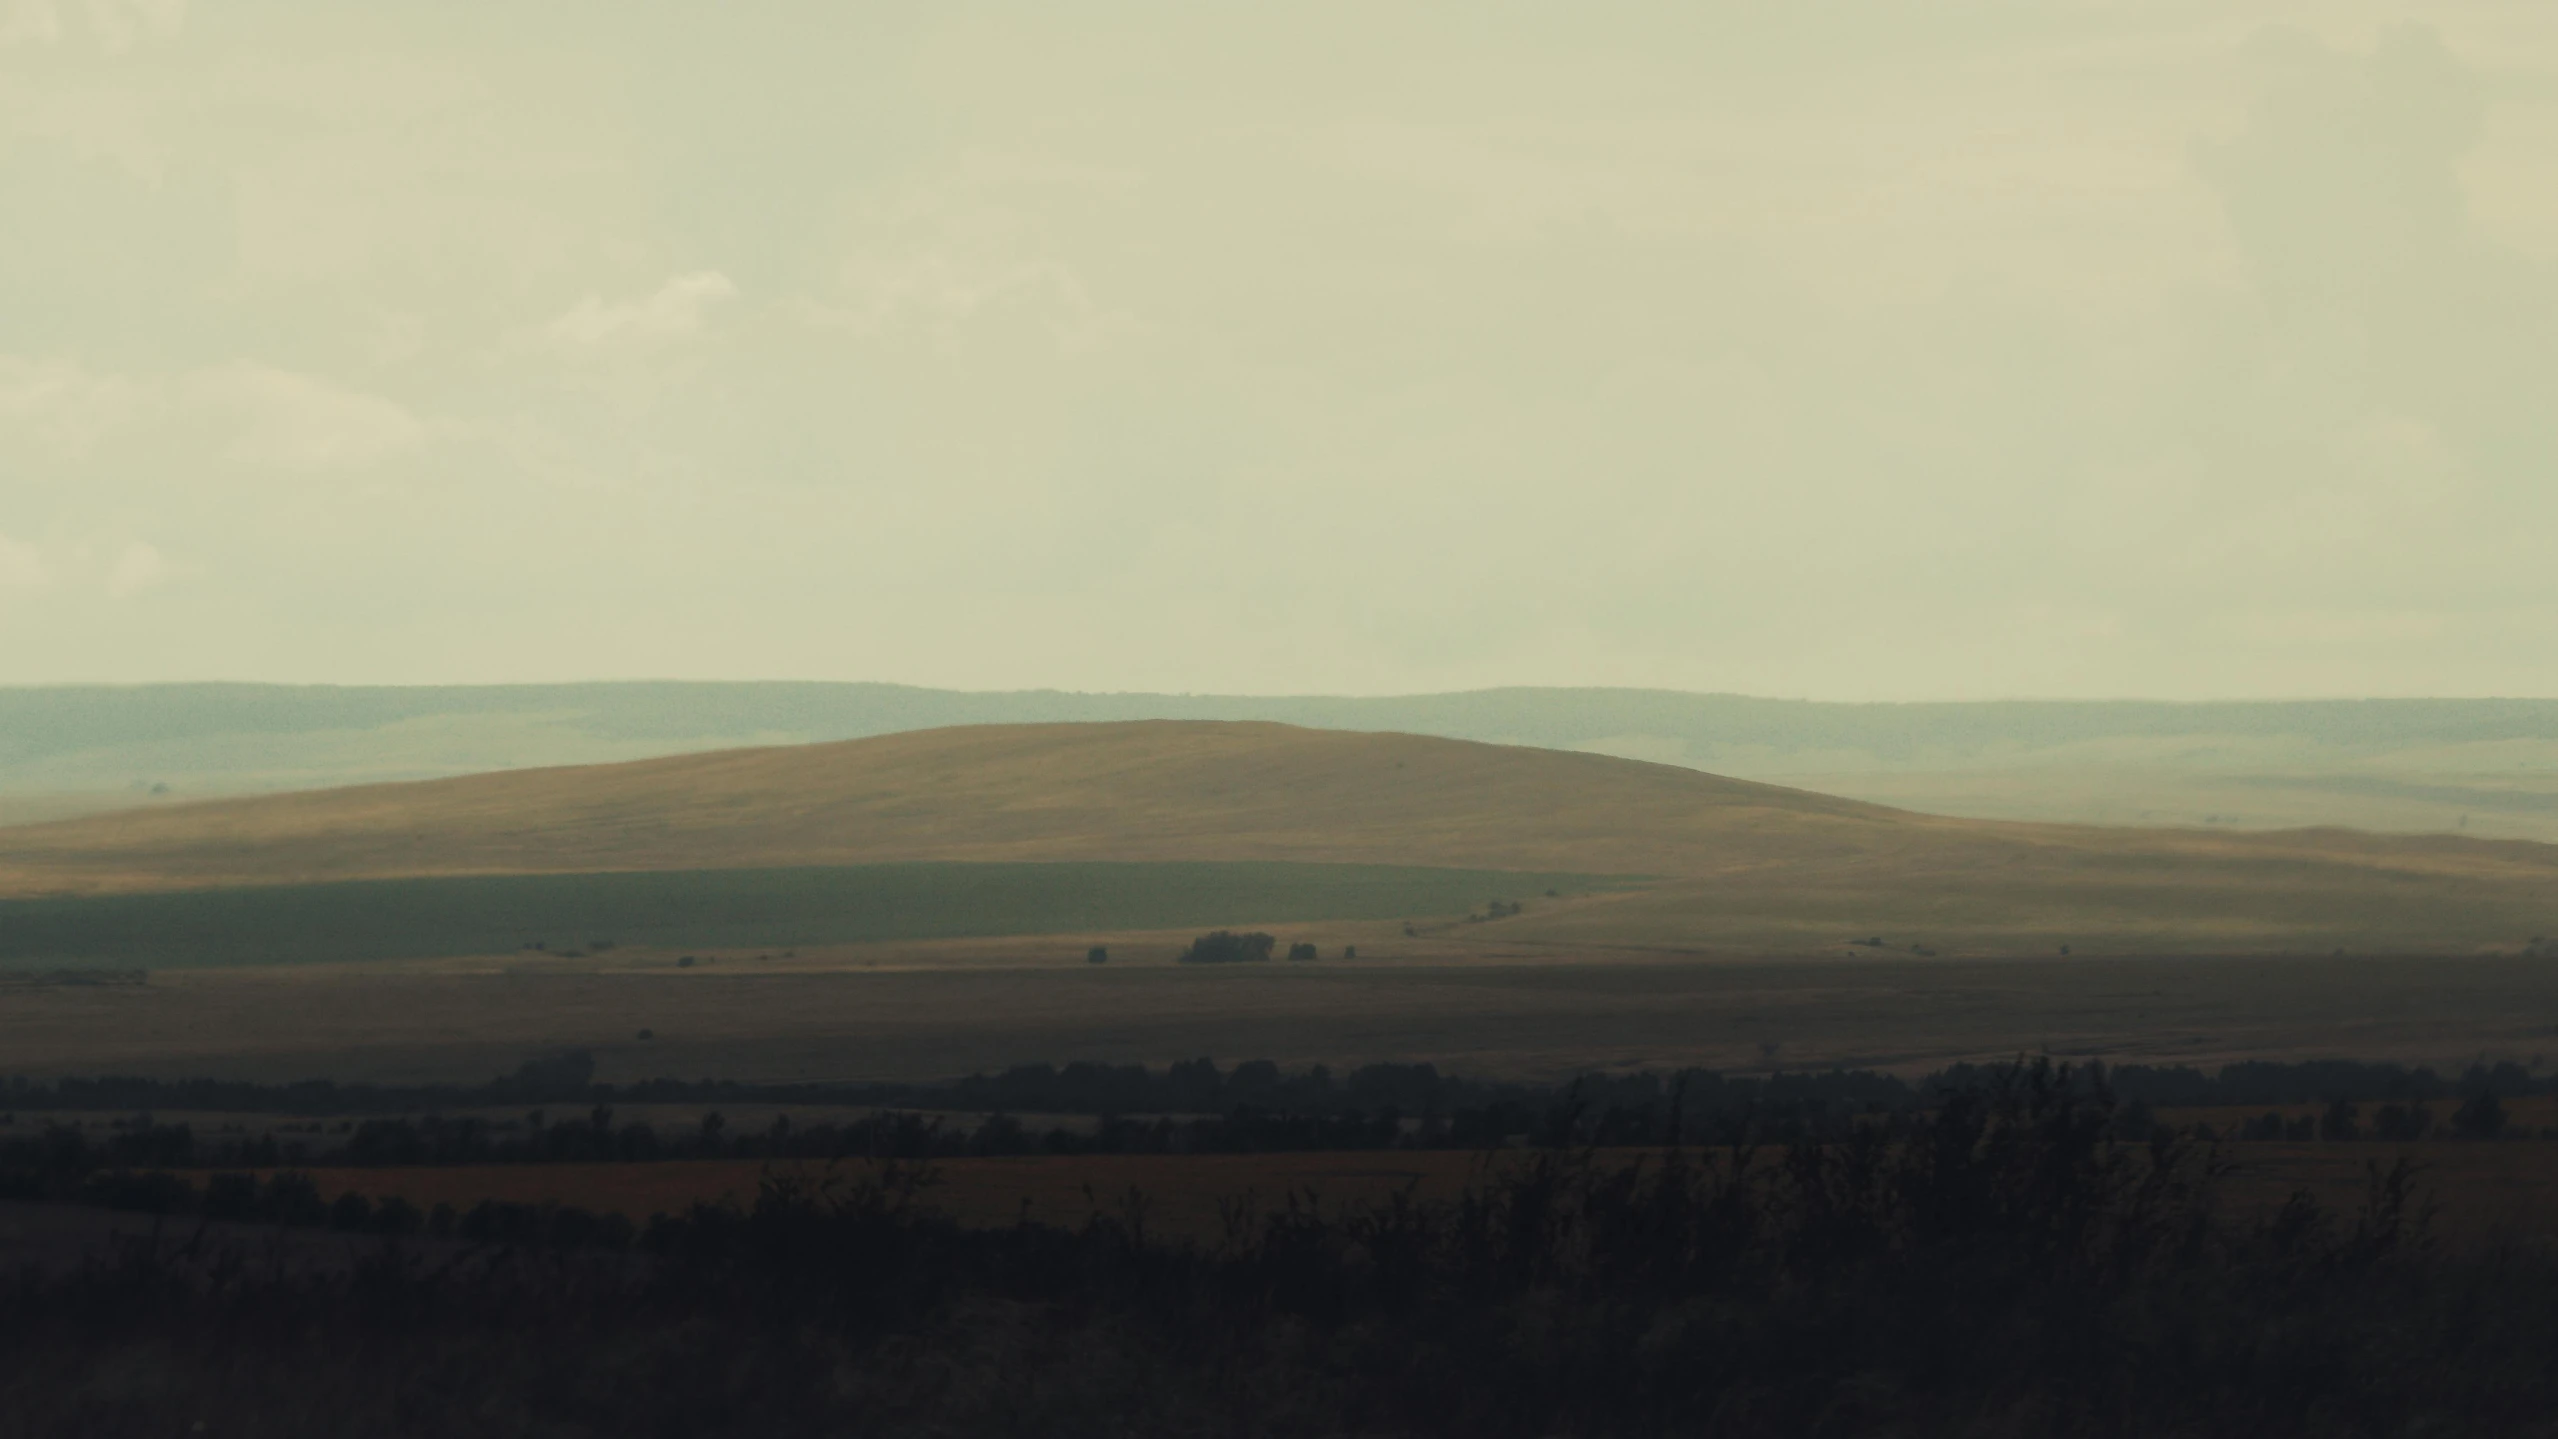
(706, 909)
(2484, 767)
(1151, 790)
(1745, 866)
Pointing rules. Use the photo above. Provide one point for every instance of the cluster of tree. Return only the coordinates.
(1199, 1087)
(2480, 1116)
(292, 1198)
(1224, 946)
(2316, 1081)
(2001, 1263)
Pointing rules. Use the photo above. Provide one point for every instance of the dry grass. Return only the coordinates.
(799, 1020)
(1746, 867)
(1156, 790)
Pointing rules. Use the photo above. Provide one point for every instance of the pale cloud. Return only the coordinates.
(60, 409)
(30, 22)
(57, 563)
(137, 568)
(23, 566)
(121, 24)
(285, 420)
(972, 246)
(118, 25)
(942, 292)
(675, 308)
(2335, 627)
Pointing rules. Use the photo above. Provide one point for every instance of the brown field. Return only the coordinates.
(824, 1018)
(2484, 1190)
(1744, 868)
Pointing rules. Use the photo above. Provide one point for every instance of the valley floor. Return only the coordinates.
(827, 1018)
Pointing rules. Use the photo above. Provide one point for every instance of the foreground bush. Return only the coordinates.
(2008, 1264)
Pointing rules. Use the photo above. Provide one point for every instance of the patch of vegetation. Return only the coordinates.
(1224, 946)
(704, 909)
(1188, 1107)
(2008, 1262)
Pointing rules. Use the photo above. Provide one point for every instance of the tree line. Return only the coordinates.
(1200, 1086)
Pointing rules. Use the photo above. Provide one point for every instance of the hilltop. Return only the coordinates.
(1137, 790)
(2483, 767)
(1735, 864)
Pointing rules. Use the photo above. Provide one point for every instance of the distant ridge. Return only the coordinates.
(2479, 766)
(87, 731)
(1736, 864)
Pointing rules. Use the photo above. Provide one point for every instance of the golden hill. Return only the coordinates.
(1742, 865)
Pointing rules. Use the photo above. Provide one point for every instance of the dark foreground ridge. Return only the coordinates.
(1199, 1086)
(2009, 1262)
(560, 1114)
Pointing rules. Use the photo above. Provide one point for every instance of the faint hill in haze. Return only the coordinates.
(1737, 864)
(2485, 767)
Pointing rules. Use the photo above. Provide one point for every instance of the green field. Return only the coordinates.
(727, 908)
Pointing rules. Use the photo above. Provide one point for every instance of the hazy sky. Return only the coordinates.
(1872, 350)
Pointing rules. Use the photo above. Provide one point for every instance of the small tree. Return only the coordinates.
(1301, 951)
(2483, 1117)
(1098, 954)
(352, 1211)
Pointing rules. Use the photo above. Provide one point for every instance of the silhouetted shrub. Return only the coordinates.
(2482, 1116)
(292, 1198)
(352, 1211)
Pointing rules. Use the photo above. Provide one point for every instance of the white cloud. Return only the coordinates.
(942, 292)
(118, 24)
(137, 569)
(292, 421)
(29, 22)
(677, 307)
(22, 566)
(974, 246)
(59, 408)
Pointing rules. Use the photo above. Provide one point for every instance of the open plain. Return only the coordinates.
(920, 906)
(804, 1019)
(1731, 866)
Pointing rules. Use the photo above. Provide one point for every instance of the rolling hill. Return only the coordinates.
(1735, 865)
(2482, 767)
